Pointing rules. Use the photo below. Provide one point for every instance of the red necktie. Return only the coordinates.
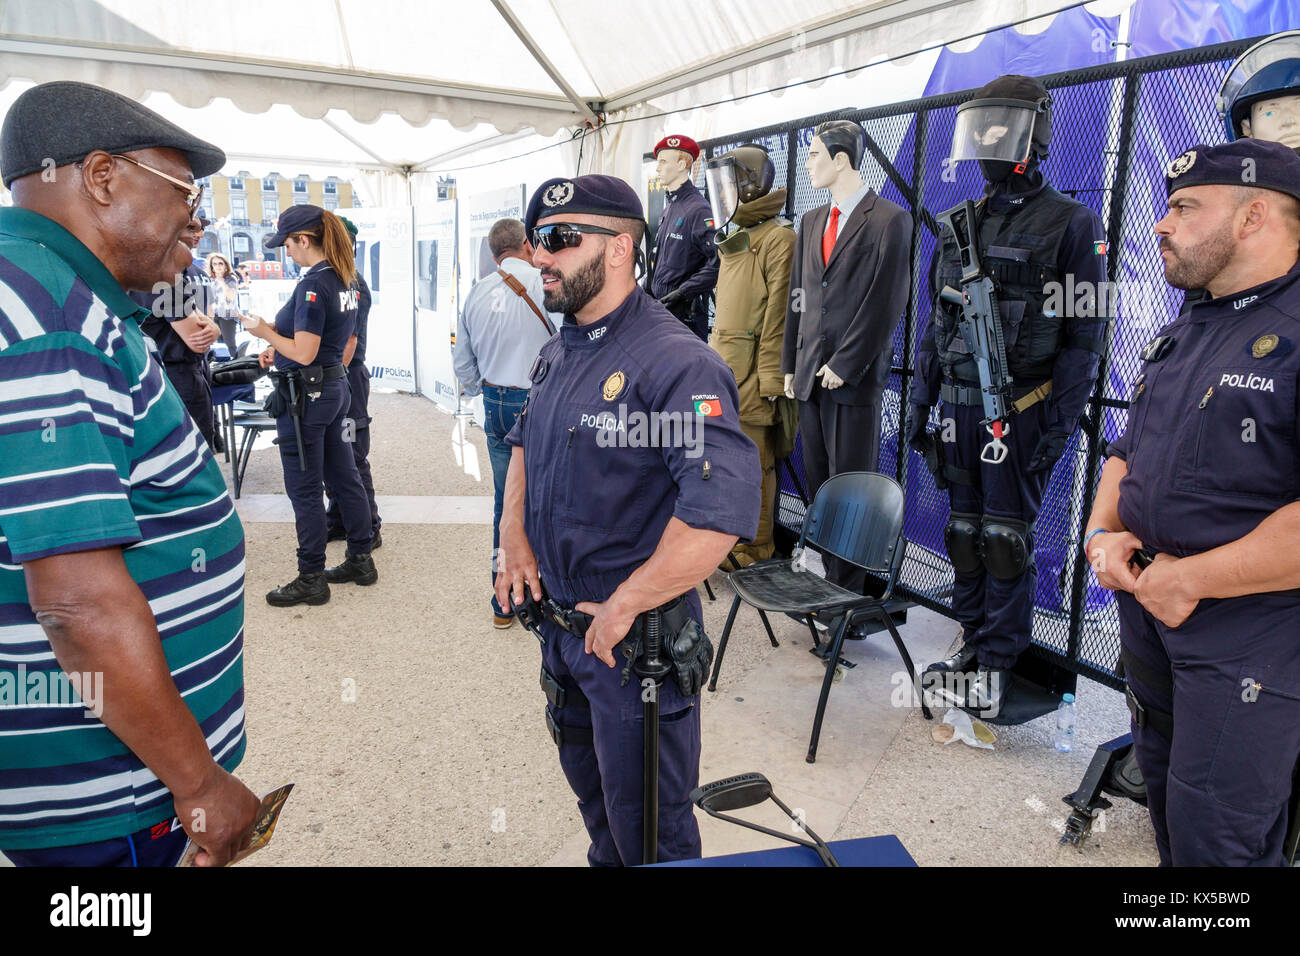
(828, 237)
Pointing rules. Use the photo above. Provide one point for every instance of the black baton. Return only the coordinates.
(652, 666)
(295, 413)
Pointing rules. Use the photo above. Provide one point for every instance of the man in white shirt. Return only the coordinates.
(501, 329)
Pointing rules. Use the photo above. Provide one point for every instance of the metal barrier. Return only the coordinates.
(1115, 129)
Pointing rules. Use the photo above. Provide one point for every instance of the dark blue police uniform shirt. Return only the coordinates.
(1213, 427)
(193, 294)
(363, 318)
(323, 306)
(685, 256)
(595, 511)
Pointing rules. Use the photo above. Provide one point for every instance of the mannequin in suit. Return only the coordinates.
(848, 289)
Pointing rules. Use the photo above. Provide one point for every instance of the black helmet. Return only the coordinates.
(843, 136)
(999, 98)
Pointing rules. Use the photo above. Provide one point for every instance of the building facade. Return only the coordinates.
(252, 204)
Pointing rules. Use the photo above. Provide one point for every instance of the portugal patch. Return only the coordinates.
(709, 407)
(310, 296)
(1099, 248)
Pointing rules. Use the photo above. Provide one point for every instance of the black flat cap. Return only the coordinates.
(64, 121)
(1243, 162)
(593, 195)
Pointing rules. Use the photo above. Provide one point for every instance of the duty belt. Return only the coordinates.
(532, 612)
(955, 394)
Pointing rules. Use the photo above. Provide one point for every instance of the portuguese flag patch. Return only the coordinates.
(708, 407)
(310, 296)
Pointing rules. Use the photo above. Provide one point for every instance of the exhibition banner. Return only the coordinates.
(436, 301)
(385, 257)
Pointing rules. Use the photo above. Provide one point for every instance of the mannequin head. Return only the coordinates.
(832, 168)
(1276, 119)
(1257, 97)
(823, 168)
(673, 166)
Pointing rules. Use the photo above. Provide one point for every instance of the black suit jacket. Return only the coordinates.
(843, 313)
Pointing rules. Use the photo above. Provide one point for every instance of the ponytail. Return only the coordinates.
(336, 243)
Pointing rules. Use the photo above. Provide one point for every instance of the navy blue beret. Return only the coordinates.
(1243, 162)
(591, 195)
(64, 121)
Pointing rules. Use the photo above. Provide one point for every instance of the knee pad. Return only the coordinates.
(961, 537)
(1005, 546)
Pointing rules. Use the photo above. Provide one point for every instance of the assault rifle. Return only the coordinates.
(981, 328)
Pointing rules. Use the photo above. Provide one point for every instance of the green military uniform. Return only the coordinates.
(752, 292)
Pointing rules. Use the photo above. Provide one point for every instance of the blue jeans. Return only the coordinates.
(501, 408)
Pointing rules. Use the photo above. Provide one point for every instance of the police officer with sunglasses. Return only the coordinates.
(630, 480)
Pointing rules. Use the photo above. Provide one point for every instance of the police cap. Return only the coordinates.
(302, 218)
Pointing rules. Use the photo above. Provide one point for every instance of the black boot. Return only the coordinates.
(355, 567)
(304, 589)
(376, 542)
(964, 660)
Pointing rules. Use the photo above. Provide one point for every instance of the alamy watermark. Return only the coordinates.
(637, 429)
(52, 688)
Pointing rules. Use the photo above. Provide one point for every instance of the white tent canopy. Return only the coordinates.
(422, 85)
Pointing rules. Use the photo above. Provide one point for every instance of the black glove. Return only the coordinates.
(916, 433)
(692, 655)
(671, 299)
(1050, 447)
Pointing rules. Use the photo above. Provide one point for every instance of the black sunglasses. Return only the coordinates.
(566, 235)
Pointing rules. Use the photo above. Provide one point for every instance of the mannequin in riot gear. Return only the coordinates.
(1031, 241)
(683, 262)
(848, 289)
(755, 247)
(1260, 94)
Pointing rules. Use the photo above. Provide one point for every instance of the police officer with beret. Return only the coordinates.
(630, 480)
(1197, 516)
(182, 334)
(684, 262)
(354, 357)
(1031, 240)
(308, 341)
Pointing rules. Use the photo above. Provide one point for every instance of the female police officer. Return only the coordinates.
(307, 341)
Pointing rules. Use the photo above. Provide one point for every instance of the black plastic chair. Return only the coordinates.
(252, 421)
(857, 516)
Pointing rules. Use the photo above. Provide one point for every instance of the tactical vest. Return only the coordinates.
(1019, 247)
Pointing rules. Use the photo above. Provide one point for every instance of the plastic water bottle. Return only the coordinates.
(1065, 724)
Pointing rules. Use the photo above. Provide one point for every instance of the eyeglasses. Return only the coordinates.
(566, 235)
(193, 191)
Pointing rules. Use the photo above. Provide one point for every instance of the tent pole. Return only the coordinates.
(415, 272)
(544, 62)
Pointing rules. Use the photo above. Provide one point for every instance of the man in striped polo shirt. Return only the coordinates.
(121, 556)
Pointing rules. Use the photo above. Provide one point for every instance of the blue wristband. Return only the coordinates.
(1092, 534)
